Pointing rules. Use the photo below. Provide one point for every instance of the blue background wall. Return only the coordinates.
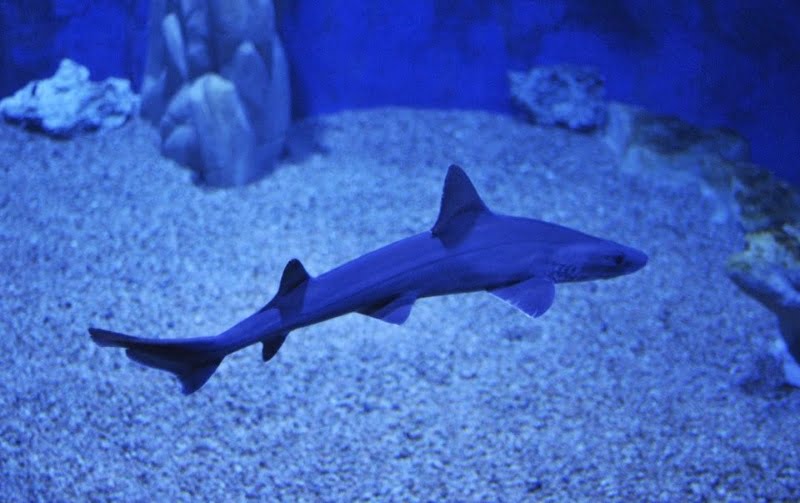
(712, 62)
(108, 36)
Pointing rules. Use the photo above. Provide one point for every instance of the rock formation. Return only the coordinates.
(216, 83)
(69, 103)
(561, 95)
(767, 209)
(768, 269)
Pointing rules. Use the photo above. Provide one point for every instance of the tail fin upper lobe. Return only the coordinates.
(192, 361)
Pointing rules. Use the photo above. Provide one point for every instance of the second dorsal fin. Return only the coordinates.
(461, 205)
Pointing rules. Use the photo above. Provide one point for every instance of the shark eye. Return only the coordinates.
(619, 259)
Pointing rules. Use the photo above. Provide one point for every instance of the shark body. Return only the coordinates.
(470, 248)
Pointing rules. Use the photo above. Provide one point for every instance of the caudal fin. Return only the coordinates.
(192, 361)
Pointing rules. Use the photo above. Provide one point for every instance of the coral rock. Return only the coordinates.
(69, 102)
(561, 95)
(767, 209)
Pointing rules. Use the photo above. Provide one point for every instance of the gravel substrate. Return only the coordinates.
(652, 387)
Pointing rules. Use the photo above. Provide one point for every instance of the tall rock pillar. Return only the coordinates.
(216, 84)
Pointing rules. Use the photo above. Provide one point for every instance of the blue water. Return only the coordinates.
(717, 63)
(657, 386)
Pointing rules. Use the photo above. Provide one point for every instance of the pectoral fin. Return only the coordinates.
(533, 296)
(395, 311)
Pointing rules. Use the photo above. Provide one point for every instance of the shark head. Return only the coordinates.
(540, 249)
(594, 258)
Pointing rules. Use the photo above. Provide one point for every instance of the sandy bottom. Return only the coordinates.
(655, 386)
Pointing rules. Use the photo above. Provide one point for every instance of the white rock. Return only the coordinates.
(265, 93)
(195, 31)
(562, 95)
(791, 368)
(236, 41)
(68, 102)
(154, 94)
(173, 39)
(278, 101)
(232, 22)
(206, 127)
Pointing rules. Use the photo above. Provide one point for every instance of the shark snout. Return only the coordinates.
(635, 260)
(597, 259)
(616, 260)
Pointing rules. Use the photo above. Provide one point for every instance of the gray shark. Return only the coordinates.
(470, 248)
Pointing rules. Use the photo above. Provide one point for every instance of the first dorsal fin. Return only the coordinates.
(294, 275)
(292, 288)
(460, 206)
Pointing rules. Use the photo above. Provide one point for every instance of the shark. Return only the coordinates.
(469, 249)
